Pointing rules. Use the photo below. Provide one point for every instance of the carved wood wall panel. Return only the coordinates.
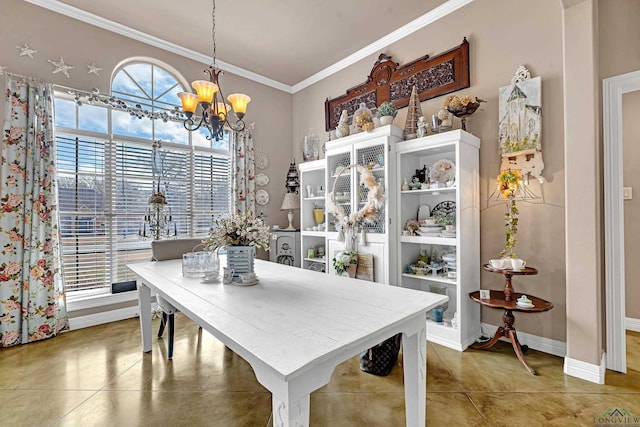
(442, 74)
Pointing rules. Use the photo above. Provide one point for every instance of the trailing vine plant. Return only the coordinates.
(508, 182)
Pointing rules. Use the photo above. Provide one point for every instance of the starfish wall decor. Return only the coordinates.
(61, 67)
(25, 50)
(93, 69)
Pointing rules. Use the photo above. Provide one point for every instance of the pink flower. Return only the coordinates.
(47, 280)
(9, 249)
(4, 277)
(6, 318)
(44, 329)
(50, 310)
(11, 180)
(47, 246)
(14, 200)
(15, 101)
(11, 305)
(42, 262)
(14, 236)
(14, 168)
(10, 338)
(12, 268)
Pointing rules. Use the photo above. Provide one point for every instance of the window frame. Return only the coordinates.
(190, 149)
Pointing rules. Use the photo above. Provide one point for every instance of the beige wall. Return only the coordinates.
(631, 178)
(54, 35)
(502, 35)
(619, 54)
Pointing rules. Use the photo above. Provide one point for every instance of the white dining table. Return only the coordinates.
(295, 326)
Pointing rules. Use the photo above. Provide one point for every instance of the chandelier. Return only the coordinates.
(157, 219)
(214, 115)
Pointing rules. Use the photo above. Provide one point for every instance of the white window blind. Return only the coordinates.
(104, 190)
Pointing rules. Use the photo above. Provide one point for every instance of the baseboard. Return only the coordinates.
(585, 371)
(632, 324)
(546, 345)
(104, 317)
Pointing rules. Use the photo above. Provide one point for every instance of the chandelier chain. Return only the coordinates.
(213, 32)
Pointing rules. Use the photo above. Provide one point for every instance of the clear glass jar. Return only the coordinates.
(311, 147)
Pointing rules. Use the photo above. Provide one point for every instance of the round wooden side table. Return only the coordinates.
(507, 300)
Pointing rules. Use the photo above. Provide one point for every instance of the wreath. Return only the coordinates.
(368, 213)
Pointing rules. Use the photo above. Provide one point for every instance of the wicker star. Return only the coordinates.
(26, 50)
(61, 67)
(93, 69)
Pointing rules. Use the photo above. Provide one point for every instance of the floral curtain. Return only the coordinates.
(32, 302)
(244, 165)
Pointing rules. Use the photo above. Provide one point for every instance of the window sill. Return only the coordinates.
(97, 298)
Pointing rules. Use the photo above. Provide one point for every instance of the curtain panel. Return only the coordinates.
(244, 166)
(32, 301)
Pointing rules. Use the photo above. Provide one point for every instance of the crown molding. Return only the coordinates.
(413, 26)
(106, 24)
(439, 12)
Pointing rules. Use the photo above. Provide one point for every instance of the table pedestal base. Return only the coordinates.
(507, 331)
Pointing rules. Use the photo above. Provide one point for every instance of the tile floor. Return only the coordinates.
(99, 377)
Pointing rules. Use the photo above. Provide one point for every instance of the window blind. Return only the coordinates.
(104, 188)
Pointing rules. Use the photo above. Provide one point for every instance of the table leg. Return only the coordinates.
(501, 332)
(144, 305)
(289, 414)
(518, 349)
(414, 361)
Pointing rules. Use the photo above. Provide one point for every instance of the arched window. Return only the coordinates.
(154, 87)
(106, 174)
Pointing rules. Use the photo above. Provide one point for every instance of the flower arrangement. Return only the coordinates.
(343, 262)
(386, 109)
(508, 182)
(243, 229)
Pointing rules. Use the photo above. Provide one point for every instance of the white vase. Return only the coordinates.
(241, 259)
(386, 120)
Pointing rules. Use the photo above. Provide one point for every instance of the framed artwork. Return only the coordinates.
(520, 124)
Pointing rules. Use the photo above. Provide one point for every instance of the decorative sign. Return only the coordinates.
(442, 74)
(365, 267)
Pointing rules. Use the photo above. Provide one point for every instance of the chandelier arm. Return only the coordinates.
(190, 123)
(238, 126)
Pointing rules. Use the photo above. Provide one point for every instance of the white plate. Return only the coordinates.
(442, 171)
(262, 179)
(239, 283)
(262, 197)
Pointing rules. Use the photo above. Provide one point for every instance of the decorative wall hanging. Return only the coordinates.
(93, 69)
(60, 67)
(442, 74)
(25, 50)
(520, 125)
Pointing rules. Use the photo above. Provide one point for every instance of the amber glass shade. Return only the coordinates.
(206, 90)
(222, 111)
(239, 102)
(189, 101)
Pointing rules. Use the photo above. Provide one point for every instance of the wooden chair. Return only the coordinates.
(163, 250)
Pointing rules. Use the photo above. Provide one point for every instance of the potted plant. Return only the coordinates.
(508, 182)
(386, 112)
